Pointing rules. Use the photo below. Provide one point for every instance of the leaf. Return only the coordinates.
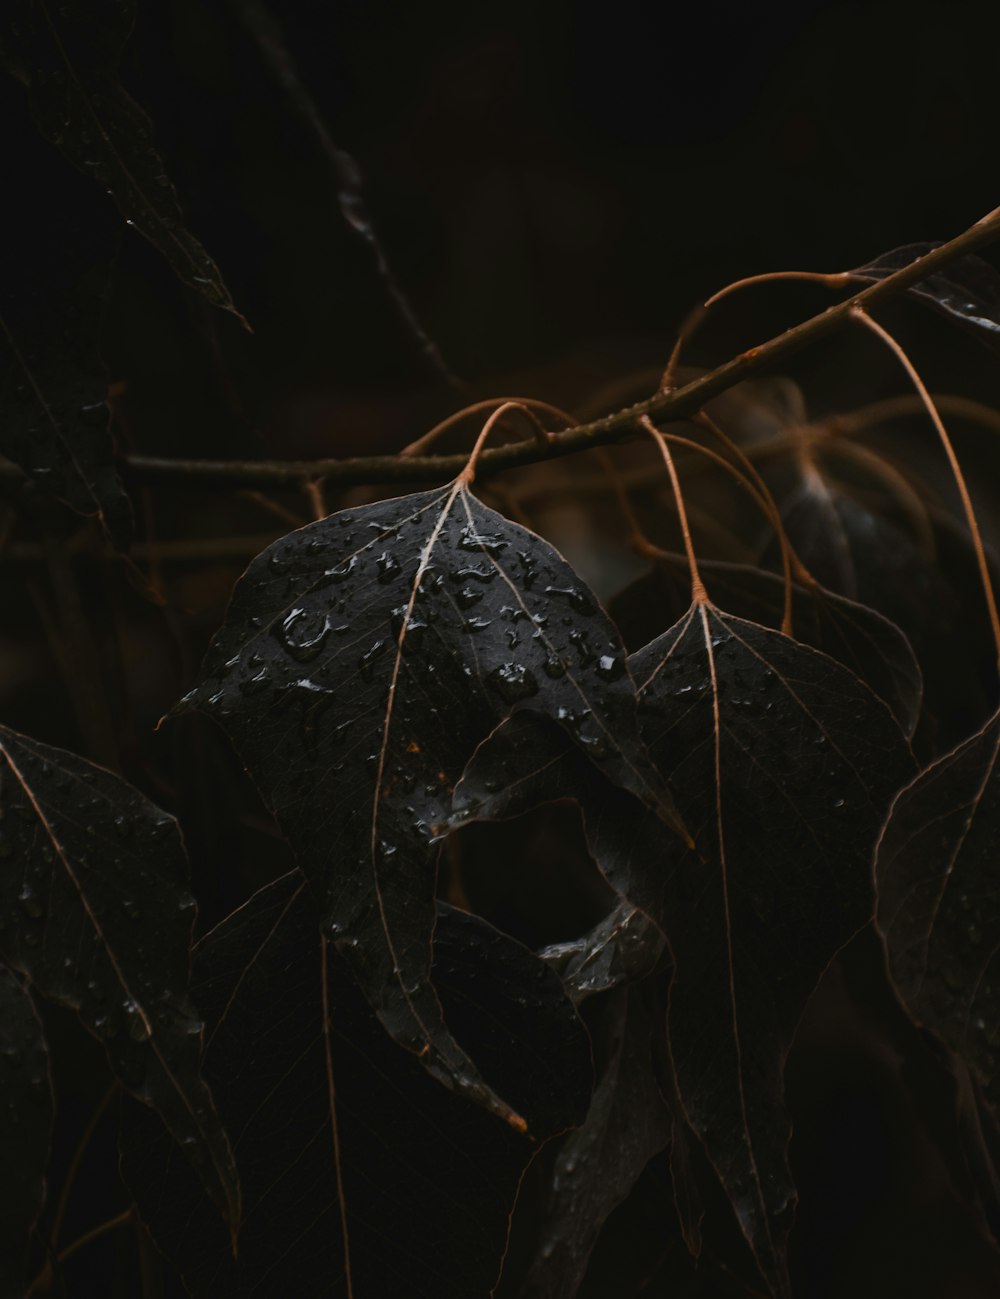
(362, 660)
(934, 598)
(597, 1166)
(25, 1127)
(94, 911)
(622, 948)
(342, 1138)
(863, 640)
(938, 902)
(967, 290)
(783, 764)
(67, 55)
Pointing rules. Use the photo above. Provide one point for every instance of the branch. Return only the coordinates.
(674, 404)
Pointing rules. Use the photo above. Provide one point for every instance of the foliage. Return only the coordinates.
(546, 875)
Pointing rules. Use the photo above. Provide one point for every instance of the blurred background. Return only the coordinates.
(552, 188)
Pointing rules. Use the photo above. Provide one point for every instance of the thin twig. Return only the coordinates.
(678, 403)
(42, 1283)
(347, 175)
(78, 1154)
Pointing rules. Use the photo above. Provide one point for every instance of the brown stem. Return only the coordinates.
(42, 1283)
(698, 593)
(676, 404)
(78, 1154)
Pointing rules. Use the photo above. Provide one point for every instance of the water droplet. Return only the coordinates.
(579, 600)
(255, 684)
(303, 633)
(367, 659)
(610, 667)
(139, 1029)
(478, 572)
(477, 624)
(513, 681)
(584, 652)
(30, 903)
(467, 597)
(554, 667)
(341, 572)
(388, 567)
(491, 542)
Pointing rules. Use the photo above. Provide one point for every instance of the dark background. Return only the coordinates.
(554, 186)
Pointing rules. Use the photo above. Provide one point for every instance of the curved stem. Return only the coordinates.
(762, 495)
(468, 474)
(678, 403)
(78, 1154)
(43, 1281)
(526, 405)
(836, 280)
(698, 593)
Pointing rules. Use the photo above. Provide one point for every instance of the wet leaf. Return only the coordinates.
(783, 764)
(622, 948)
(597, 1166)
(859, 637)
(25, 1127)
(938, 902)
(94, 911)
(934, 598)
(362, 660)
(350, 1155)
(67, 56)
(967, 290)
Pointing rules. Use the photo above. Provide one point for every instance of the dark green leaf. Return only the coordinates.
(783, 764)
(67, 55)
(863, 640)
(362, 660)
(967, 290)
(939, 902)
(95, 911)
(25, 1127)
(351, 1157)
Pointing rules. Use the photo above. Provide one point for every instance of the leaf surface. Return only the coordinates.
(859, 637)
(622, 948)
(353, 1161)
(783, 764)
(362, 660)
(939, 902)
(26, 1108)
(597, 1165)
(935, 598)
(967, 290)
(94, 910)
(67, 55)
